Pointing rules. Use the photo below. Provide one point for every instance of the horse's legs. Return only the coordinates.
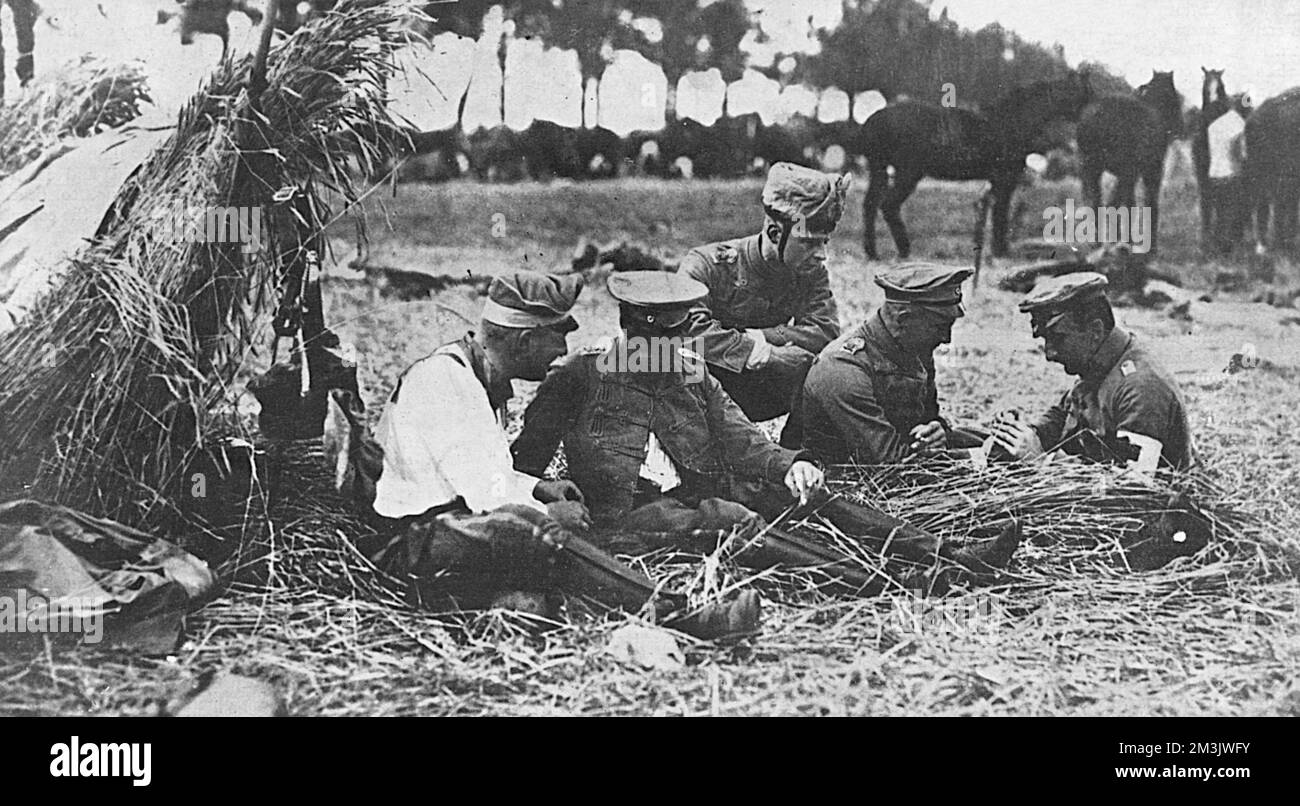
(905, 182)
(1152, 178)
(877, 185)
(1287, 200)
(1090, 176)
(1125, 189)
(1003, 189)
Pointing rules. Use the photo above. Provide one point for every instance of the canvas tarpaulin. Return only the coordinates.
(55, 560)
(53, 206)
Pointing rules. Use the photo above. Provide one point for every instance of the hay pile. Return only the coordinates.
(150, 330)
(1068, 621)
(78, 100)
(1070, 629)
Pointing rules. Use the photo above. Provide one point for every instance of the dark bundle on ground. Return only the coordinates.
(150, 330)
(618, 256)
(78, 100)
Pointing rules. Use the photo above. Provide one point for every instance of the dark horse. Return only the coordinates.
(1273, 166)
(920, 139)
(1128, 135)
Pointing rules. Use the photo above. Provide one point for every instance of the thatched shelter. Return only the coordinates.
(110, 381)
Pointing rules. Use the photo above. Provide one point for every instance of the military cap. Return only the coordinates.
(1053, 296)
(529, 299)
(665, 297)
(928, 284)
(811, 201)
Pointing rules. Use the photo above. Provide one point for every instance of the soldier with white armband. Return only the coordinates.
(1125, 407)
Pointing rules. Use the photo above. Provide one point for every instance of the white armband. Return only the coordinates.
(1149, 450)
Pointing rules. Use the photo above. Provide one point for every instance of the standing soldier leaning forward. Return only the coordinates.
(455, 520)
(769, 308)
(664, 457)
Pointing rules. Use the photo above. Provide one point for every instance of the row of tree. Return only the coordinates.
(893, 46)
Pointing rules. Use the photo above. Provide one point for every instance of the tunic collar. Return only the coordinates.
(1108, 354)
(879, 335)
(754, 262)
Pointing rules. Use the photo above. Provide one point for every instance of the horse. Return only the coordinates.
(1216, 154)
(1128, 135)
(209, 17)
(1273, 167)
(1214, 102)
(24, 14)
(921, 139)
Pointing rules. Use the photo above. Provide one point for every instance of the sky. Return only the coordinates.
(1256, 41)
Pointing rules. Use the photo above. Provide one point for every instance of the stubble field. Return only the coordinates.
(1212, 634)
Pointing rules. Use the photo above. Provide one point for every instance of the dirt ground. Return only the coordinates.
(1245, 424)
(1111, 644)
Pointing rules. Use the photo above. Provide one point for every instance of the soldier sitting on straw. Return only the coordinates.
(870, 397)
(665, 458)
(462, 527)
(1125, 406)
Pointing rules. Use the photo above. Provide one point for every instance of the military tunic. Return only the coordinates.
(863, 396)
(1126, 390)
(748, 292)
(605, 419)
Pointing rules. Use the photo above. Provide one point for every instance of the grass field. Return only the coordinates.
(1213, 634)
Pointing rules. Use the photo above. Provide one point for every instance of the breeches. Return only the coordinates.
(460, 561)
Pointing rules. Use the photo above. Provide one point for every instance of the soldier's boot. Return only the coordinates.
(775, 546)
(723, 621)
(984, 561)
(891, 535)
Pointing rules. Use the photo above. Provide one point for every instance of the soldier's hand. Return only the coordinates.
(554, 535)
(1017, 438)
(803, 479)
(563, 490)
(928, 437)
(572, 515)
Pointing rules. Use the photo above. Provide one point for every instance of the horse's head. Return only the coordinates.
(1212, 88)
(1161, 94)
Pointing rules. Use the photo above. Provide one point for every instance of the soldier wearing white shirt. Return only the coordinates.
(466, 528)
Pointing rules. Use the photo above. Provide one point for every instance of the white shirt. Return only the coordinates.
(441, 439)
(1225, 141)
(658, 466)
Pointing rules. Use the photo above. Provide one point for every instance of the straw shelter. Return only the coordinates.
(112, 378)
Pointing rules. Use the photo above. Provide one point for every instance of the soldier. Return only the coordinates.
(658, 448)
(870, 397)
(458, 523)
(24, 15)
(1125, 406)
(769, 308)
